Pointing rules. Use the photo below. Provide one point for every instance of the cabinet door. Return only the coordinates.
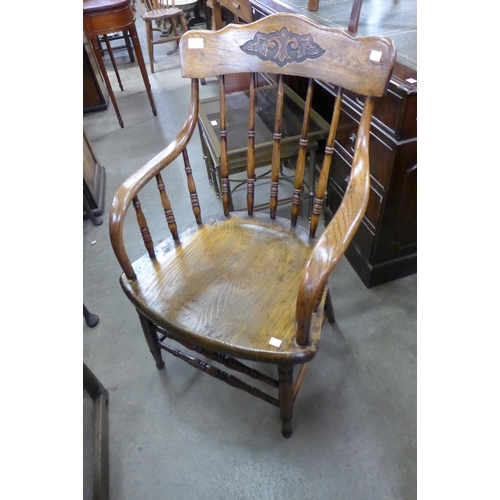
(364, 238)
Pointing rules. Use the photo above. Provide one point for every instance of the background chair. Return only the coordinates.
(245, 285)
(158, 12)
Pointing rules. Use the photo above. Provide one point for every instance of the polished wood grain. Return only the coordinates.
(251, 285)
(301, 160)
(353, 69)
(325, 169)
(276, 157)
(251, 147)
(334, 241)
(239, 265)
(167, 207)
(128, 190)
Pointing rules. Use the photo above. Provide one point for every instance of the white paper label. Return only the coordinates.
(195, 43)
(213, 123)
(275, 342)
(411, 80)
(375, 55)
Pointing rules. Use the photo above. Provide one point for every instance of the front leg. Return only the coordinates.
(285, 377)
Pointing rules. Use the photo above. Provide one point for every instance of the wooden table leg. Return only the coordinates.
(102, 67)
(142, 66)
(112, 57)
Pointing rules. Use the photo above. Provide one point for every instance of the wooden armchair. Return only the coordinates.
(242, 285)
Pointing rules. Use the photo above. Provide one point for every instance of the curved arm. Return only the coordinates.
(338, 234)
(129, 189)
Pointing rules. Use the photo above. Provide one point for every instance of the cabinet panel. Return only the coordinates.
(339, 177)
(397, 236)
(381, 147)
(241, 8)
(365, 235)
(395, 113)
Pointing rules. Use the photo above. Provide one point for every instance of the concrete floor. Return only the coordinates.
(179, 434)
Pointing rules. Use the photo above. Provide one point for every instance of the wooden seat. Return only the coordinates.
(155, 13)
(244, 285)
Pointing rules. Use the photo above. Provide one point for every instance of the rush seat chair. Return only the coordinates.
(239, 286)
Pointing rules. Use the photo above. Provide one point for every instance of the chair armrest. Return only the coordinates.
(131, 187)
(334, 241)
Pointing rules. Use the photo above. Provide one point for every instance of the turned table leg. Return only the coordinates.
(142, 65)
(102, 67)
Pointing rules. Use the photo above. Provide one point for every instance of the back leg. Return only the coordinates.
(152, 339)
(330, 316)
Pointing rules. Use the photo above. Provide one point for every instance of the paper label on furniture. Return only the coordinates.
(275, 342)
(213, 123)
(375, 55)
(195, 43)
(411, 80)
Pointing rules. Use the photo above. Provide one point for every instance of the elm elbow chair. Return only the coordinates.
(239, 286)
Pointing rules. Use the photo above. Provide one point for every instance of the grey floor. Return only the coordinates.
(179, 434)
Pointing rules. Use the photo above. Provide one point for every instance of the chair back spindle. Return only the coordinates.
(224, 168)
(251, 147)
(167, 208)
(195, 204)
(325, 168)
(276, 158)
(143, 226)
(301, 159)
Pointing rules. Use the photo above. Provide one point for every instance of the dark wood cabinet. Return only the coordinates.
(385, 246)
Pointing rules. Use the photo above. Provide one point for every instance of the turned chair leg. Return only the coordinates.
(152, 340)
(149, 39)
(330, 316)
(285, 377)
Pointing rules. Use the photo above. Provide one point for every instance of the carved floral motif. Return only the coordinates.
(283, 47)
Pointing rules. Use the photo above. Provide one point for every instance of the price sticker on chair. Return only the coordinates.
(195, 43)
(375, 55)
(275, 342)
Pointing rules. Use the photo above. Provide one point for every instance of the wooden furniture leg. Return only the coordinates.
(113, 62)
(128, 45)
(152, 340)
(149, 38)
(285, 377)
(93, 387)
(142, 66)
(330, 315)
(313, 5)
(97, 221)
(216, 16)
(104, 73)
